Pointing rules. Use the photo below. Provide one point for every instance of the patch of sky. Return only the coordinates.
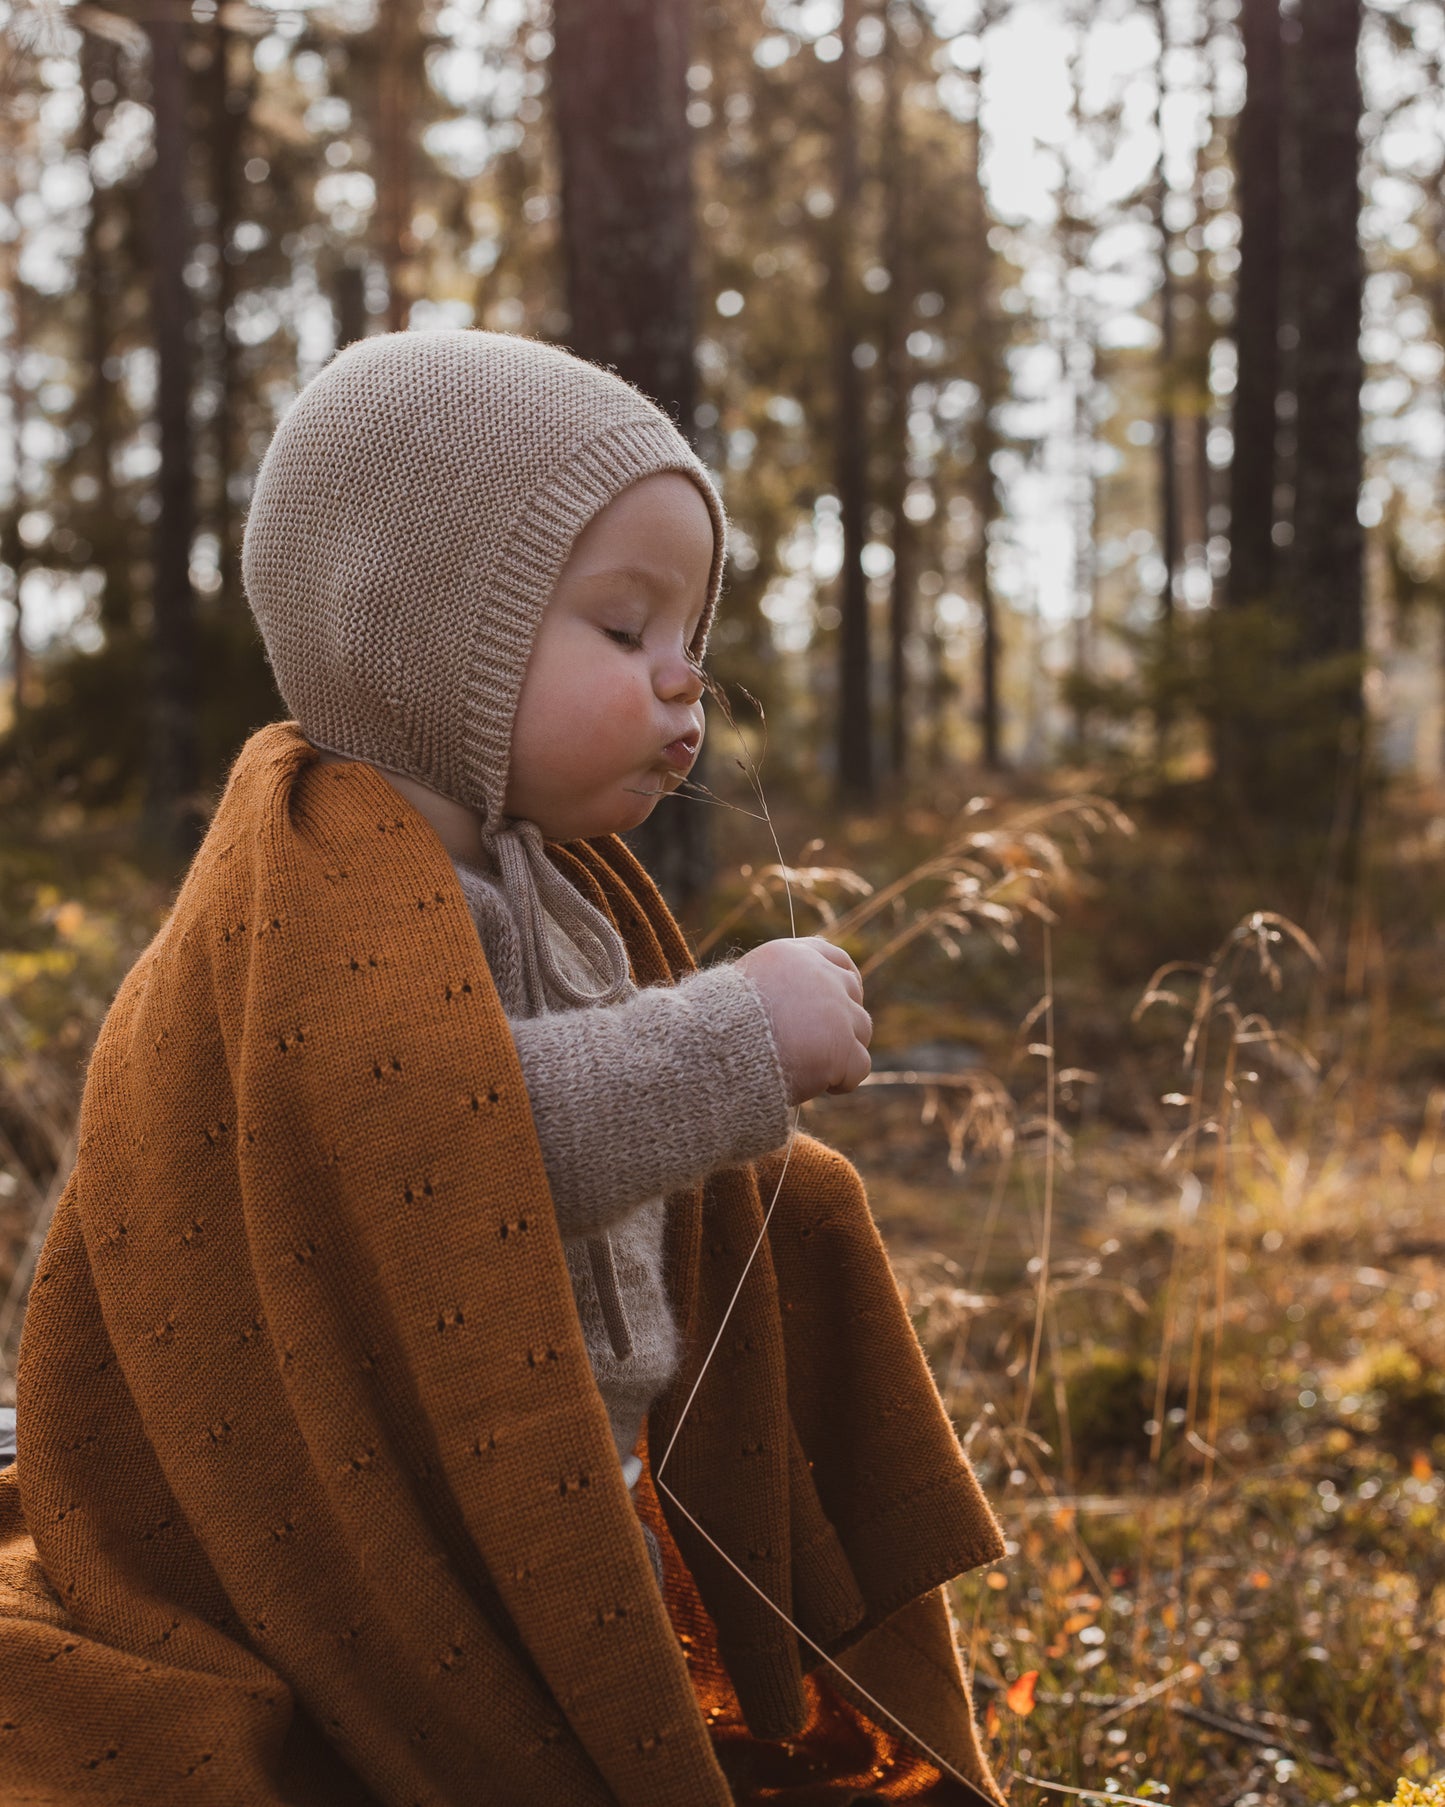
(58, 605)
(327, 115)
(462, 146)
(125, 145)
(270, 53)
(806, 19)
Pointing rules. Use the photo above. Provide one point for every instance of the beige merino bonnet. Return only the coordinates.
(410, 519)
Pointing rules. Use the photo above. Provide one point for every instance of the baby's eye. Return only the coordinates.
(622, 636)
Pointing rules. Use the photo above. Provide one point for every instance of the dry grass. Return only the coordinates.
(1194, 1354)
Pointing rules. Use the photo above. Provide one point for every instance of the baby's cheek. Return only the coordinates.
(626, 719)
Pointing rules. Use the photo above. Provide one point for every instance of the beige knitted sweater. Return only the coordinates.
(633, 1101)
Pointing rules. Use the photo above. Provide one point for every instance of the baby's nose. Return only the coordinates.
(679, 680)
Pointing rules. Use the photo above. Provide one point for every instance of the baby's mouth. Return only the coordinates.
(679, 754)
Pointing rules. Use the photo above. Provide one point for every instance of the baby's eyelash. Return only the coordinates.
(622, 636)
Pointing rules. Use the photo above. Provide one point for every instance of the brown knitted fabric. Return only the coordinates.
(320, 1504)
(410, 519)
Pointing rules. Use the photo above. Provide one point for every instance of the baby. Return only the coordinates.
(635, 1095)
(416, 1220)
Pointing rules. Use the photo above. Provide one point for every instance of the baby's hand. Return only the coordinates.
(814, 998)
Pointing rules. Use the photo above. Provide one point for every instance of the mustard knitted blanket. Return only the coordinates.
(316, 1501)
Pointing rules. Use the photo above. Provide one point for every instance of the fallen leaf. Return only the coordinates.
(1020, 1695)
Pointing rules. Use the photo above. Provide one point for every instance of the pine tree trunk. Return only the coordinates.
(619, 101)
(348, 304)
(1328, 579)
(12, 547)
(1328, 539)
(619, 92)
(100, 285)
(992, 387)
(854, 719)
(397, 73)
(172, 817)
(228, 105)
(899, 384)
(1078, 355)
(1252, 474)
(1168, 371)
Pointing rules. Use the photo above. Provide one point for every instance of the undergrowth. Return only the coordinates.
(1170, 1238)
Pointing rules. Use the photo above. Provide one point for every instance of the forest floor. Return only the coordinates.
(1182, 1299)
(1216, 1437)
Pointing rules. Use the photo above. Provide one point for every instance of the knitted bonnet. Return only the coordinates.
(410, 519)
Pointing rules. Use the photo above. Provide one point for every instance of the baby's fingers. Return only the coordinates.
(857, 1068)
(848, 971)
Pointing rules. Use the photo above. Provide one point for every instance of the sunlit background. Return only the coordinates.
(1046, 160)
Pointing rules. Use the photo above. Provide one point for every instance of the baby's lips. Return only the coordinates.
(680, 754)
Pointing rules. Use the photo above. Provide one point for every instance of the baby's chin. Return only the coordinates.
(624, 809)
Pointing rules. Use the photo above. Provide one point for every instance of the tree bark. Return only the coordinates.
(1078, 355)
(348, 303)
(992, 388)
(1253, 466)
(619, 102)
(172, 817)
(228, 107)
(898, 379)
(398, 82)
(854, 719)
(12, 547)
(1328, 540)
(1168, 451)
(108, 533)
(619, 92)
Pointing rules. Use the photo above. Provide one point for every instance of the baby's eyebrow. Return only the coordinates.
(658, 583)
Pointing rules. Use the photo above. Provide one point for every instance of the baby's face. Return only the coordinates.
(610, 715)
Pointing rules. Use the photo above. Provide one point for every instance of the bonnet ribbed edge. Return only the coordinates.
(539, 543)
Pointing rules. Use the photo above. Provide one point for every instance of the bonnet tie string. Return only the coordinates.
(535, 891)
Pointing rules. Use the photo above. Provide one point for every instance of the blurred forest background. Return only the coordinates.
(1073, 372)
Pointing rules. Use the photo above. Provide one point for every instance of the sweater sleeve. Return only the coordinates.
(644, 1097)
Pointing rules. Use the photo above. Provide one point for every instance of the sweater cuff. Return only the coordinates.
(752, 1089)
